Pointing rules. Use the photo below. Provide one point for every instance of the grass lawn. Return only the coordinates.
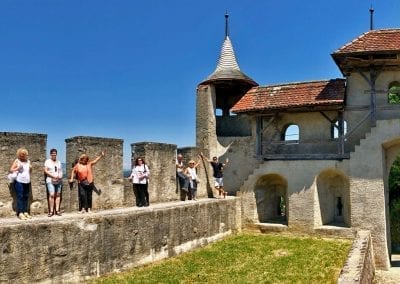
(247, 258)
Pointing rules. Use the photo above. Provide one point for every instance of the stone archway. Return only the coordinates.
(333, 189)
(392, 154)
(271, 199)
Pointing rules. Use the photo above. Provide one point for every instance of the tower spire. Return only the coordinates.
(227, 66)
(226, 24)
(371, 18)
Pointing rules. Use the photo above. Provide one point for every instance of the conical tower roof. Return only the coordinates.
(227, 59)
(227, 67)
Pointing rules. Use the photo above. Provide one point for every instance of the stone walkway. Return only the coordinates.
(381, 276)
(115, 211)
(392, 275)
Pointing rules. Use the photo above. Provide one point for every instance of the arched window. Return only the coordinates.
(291, 133)
(335, 129)
(394, 93)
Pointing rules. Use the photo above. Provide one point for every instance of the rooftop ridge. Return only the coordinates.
(299, 83)
(360, 37)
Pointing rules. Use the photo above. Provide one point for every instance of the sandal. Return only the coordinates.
(50, 214)
(58, 213)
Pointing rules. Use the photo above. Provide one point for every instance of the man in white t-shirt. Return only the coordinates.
(53, 172)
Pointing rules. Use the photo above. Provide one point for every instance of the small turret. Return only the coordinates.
(227, 68)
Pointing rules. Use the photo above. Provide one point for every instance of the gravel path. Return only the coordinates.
(392, 275)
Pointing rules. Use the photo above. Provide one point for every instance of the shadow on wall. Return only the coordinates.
(14, 196)
(209, 187)
(271, 198)
(334, 198)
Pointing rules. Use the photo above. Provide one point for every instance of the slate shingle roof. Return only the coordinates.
(373, 41)
(292, 96)
(227, 67)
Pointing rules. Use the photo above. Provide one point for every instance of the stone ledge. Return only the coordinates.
(269, 227)
(359, 266)
(75, 247)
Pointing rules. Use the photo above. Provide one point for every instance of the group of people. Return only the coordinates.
(20, 175)
(82, 170)
(188, 179)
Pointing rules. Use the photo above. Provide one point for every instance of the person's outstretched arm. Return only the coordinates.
(97, 159)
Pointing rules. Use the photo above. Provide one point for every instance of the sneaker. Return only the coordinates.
(22, 216)
(27, 215)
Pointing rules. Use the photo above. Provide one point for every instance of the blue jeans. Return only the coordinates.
(22, 192)
(183, 180)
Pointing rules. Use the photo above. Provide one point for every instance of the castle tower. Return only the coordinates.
(216, 95)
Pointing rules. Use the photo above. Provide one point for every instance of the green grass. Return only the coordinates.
(247, 258)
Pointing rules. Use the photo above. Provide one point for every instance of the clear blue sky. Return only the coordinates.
(129, 69)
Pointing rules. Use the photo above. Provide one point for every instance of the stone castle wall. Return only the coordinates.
(108, 171)
(75, 248)
(10, 142)
(115, 190)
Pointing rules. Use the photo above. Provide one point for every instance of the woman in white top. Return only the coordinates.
(190, 172)
(22, 184)
(54, 174)
(140, 176)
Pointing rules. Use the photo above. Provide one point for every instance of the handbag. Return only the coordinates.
(12, 176)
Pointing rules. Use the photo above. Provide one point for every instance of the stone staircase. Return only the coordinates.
(383, 131)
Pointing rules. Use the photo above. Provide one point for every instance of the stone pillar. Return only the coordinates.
(108, 172)
(160, 158)
(10, 142)
(206, 137)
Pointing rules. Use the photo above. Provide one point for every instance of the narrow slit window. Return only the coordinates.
(335, 129)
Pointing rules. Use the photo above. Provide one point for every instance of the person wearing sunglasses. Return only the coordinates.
(54, 173)
(140, 179)
(83, 171)
(218, 169)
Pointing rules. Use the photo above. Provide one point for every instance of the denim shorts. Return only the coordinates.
(218, 182)
(54, 188)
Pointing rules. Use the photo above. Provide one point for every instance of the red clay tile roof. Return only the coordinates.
(373, 41)
(292, 96)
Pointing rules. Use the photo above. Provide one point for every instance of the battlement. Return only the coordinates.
(116, 191)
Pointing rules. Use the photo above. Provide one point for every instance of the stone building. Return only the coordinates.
(310, 156)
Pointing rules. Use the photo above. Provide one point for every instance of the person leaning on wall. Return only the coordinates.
(21, 168)
(218, 169)
(83, 170)
(53, 171)
(191, 173)
(182, 179)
